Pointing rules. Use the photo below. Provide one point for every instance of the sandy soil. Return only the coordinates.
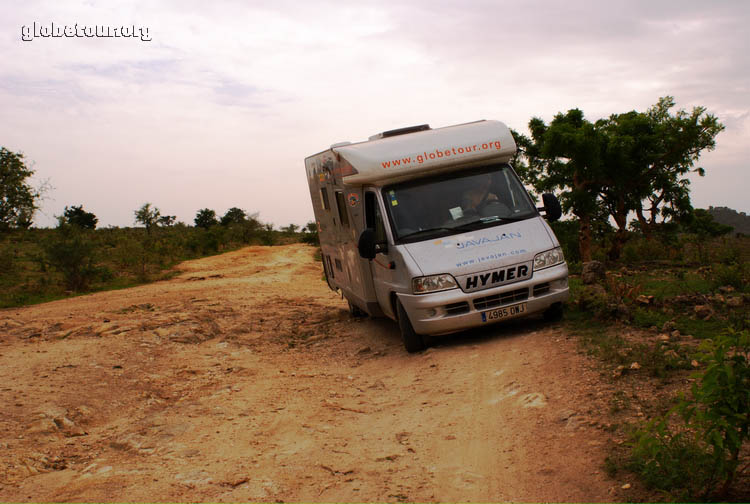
(244, 378)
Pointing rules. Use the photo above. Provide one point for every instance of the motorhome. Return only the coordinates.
(434, 229)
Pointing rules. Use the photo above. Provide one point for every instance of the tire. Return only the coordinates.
(355, 311)
(554, 313)
(413, 342)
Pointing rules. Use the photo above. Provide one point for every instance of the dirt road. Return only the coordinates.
(244, 378)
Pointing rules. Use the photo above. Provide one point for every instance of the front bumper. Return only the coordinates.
(454, 310)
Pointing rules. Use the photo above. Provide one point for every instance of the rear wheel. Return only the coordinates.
(413, 342)
(355, 311)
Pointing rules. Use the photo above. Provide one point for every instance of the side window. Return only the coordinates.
(324, 198)
(341, 204)
(373, 218)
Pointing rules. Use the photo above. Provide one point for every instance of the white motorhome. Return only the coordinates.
(433, 228)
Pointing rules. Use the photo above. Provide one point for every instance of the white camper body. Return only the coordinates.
(432, 228)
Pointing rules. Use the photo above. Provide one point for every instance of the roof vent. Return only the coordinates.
(400, 131)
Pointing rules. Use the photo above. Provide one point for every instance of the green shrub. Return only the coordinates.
(648, 249)
(699, 457)
(7, 259)
(72, 251)
(643, 317)
(733, 274)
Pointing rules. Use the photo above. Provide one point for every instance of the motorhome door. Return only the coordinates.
(382, 267)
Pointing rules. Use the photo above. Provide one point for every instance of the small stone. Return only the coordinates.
(663, 337)
(675, 334)
(625, 486)
(565, 414)
(669, 325)
(635, 366)
(734, 301)
(644, 300)
(703, 311)
(726, 289)
(695, 363)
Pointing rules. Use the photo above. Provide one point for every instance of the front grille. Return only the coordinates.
(483, 303)
(457, 308)
(542, 288)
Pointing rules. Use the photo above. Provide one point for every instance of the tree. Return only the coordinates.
(648, 157)
(566, 156)
(148, 216)
(233, 216)
(631, 162)
(205, 218)
(77, 216)
(18, 201)
(166, 220)
(290, 229)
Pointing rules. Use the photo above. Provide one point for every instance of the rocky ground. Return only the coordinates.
(244, 378)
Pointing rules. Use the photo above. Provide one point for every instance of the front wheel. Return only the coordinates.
(413, 342)
(554, 313)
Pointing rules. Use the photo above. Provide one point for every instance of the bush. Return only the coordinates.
(734, 275)
(72, 252)
(648, 249)
(7, 259)
(699, 457)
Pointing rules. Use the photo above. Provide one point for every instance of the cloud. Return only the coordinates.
(220, 108)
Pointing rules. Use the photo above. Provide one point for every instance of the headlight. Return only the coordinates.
(433, 283)
(548, 258)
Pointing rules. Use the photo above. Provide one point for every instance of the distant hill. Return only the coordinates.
(738, 220)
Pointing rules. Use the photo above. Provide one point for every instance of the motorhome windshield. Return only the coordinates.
(463, 201)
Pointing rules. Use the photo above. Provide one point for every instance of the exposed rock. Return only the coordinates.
(68, 427)
(42, 426)
(663, 337)
(593, 272)
(726, 289)
(565, 414)
(675, 334)
(635, 366)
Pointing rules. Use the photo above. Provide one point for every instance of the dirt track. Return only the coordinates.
(244, 378)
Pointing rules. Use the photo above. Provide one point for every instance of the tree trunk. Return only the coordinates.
(584, 238)
(645, 226)
(621, 219)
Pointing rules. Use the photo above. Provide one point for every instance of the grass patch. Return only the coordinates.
(671, 283)
(42, 265)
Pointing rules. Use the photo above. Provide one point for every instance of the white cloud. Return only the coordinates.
(221, 107)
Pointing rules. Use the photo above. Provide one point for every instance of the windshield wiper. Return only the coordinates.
(425, 231)
(488, 220)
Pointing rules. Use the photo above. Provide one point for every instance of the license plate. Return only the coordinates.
(504, 312)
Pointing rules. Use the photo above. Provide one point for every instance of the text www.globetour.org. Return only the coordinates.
(441, 153)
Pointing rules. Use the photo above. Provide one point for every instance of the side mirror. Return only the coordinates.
(552, 209)
(366, 244)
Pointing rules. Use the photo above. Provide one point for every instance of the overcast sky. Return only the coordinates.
(222, 105)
